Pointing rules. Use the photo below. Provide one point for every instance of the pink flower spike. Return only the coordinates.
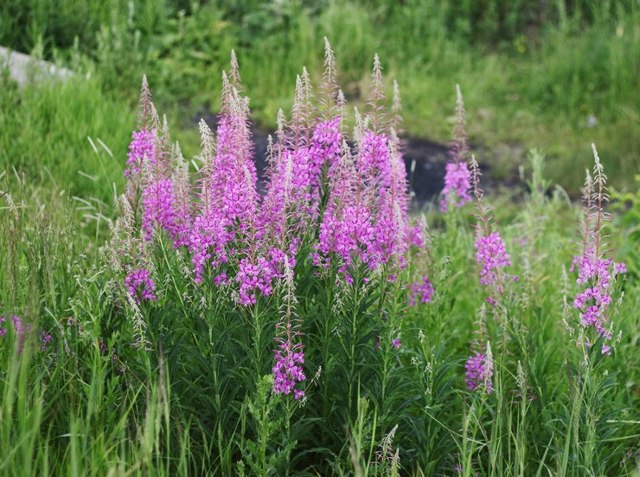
(479, 371)
(423, 290)
(140, 285)
(619, 268)
(456, 185)
(492, 256)
(142, 148)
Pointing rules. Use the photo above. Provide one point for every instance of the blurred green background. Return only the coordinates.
(552, 74)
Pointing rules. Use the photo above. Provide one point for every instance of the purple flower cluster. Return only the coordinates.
(479, 371)
(345, 234)
(159, 208)
(595, 274)
(325, 146)
(366, 217)
(140, 285)
(457, 179)
(373, 161)
(456, 185)
(492, 256)
(202, 244)
(227, 212)
(423, 290)
(295, 183)
(287, 369)
(355, 193)
(142, 148)
(45, 340)
(259, 276)
(21, 330)
(619, 268)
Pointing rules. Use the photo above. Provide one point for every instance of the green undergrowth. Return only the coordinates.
(193, 396)
(558, 75)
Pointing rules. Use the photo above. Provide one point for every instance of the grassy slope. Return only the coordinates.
(537, 87)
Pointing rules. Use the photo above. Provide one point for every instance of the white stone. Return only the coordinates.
(24, 69)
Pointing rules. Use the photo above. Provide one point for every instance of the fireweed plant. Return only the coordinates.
(457, 179)
(333, 222)
(312, 324)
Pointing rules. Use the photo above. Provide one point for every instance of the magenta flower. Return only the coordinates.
(290, 201)
(592, 302)
(254, 277)
(45, 339)
(619, 268)
(221, 279)
(373, 161)
(492, 256)
(595, 272)
(456, 185)
(140, 285)
(457, 179)
(396, 343)
(158, 202)
(423, 290)
(227, 214)
(347, 234)
(287, 368)
(325, 147)
(181, 201)
(479, 371)
(416, 236)
(19, 329)
(142, 148)
(257, 276)
(366, 216)
(353, 194)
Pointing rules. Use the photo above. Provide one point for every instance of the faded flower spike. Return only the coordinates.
(457, 179)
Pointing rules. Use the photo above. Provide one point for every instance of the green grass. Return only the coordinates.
(531, 77)
(196, 400)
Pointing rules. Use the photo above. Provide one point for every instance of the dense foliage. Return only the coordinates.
(555, 73)
(315, 325)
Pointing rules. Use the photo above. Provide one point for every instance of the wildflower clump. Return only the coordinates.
(141, 149)
(288, 367)
(19, 328)
(357, 195)
(158, 203)
(492, 256)
(21, 331)
(333, 205)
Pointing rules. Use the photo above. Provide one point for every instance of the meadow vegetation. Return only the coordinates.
(164, 313)
(555, 75)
